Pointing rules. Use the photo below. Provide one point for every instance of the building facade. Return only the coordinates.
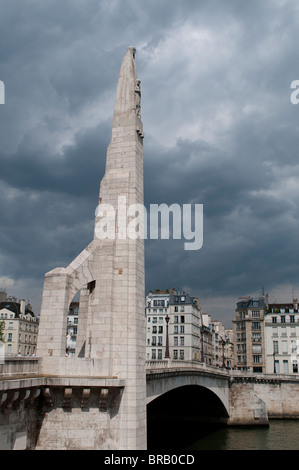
(20, 327)
(157, 311)
(173, 329)
(282, 338)
(222, 345)
(184, 327)
(179, 330)
(248, 334)
(72, 328)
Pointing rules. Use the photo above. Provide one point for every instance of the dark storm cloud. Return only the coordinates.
(219, 130)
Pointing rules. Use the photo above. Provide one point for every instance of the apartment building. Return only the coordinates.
(173, 326)
(176, 328)
(157, 322)
(20, 326)
(282, 338)
(248, 334)
(222, 345)
(185, 327)
(207, 340)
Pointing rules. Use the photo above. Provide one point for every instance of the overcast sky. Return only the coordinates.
(220, 130)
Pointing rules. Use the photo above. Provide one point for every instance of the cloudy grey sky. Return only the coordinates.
(220, 130)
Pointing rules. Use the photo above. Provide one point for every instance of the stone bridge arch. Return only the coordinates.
(159, 383)
(182, 408)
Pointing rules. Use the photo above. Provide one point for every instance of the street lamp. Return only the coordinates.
(167, 355)
(223, 360)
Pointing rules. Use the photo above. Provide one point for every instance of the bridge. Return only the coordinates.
(106, 396)
(189, 391)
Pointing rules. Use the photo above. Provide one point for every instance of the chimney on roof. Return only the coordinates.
(266, 297)
(3, 296)
(22, 306)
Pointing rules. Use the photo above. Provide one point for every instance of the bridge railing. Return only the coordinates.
(177, 364)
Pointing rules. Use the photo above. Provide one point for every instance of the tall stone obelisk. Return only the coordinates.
(110, 276)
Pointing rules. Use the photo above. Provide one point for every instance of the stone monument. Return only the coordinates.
(108, 374)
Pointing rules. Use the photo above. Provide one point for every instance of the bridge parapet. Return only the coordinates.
(176, 365)
(19, 366)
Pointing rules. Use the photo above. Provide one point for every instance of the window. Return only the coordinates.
(153, 354)
(256, 337)
(154, 340)
(10, 325)
(295, 367)
(154, 319)
(282, 318)
(275, 347)
(159, 353)
(274, 319)
(284, 347)
(257, 359)
(182, 318)
(256, 314)
(182, 329)
(256, 325)
(91, 286)
(294, 347)
(160, 329)
(182, 341)
(175, 354)
(160, 339)
(9, 337)
(176, 308)
(159, 303)
(285, 366)
(176, 329)
(256, 348)
(154, 329)
(176, 319)
(175, 341)
(182, 354)
(292, 318)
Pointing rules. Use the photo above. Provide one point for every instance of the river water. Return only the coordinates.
(280, 435)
